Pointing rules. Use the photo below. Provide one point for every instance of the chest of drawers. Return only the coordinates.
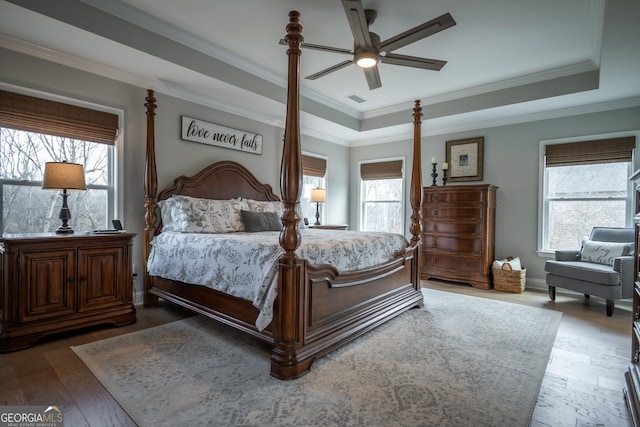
(458, 228)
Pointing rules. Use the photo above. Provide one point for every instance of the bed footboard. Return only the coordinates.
(332, 309)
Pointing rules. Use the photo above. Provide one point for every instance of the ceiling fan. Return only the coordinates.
(368, 50)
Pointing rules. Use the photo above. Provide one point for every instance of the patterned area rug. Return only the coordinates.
(459, 361)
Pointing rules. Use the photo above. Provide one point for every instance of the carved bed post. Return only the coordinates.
(416, 175)
(288, 322)
(150, 190)
(416, 192)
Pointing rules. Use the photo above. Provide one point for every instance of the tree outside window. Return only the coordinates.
(26, 208)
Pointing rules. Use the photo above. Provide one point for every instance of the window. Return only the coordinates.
(381, 196)
(586, 184)
(314, 170)
(34, 131)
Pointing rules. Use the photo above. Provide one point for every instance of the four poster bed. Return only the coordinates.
(317, 306)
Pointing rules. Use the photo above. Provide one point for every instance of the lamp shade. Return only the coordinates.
(63, 176)
(318, 195)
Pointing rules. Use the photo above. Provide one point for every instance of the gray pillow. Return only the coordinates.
(260, 221)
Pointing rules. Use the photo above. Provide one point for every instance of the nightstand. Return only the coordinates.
(331, 227)
(54, 283)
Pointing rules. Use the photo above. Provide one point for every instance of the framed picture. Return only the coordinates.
(464, 157)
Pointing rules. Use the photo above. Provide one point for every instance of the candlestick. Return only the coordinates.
(434, 174)
(444, 175)
(434, 160)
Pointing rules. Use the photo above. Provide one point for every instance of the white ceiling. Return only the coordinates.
(508, 60)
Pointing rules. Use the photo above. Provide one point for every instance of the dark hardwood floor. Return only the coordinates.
(582, 385)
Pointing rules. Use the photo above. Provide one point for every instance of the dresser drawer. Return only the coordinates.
(458, 213)
(452, 196)
(458, 263)
(460, 228)
(457, 244)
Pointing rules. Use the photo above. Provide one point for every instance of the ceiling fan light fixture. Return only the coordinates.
(367, 59)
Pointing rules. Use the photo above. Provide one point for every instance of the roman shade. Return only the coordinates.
(590, 152)
(314, 166)
(381, 170)
(56, 118)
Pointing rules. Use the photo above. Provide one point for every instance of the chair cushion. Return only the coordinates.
(603, 252)
(585, 271)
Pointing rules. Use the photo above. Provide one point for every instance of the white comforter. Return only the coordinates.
(245, 264)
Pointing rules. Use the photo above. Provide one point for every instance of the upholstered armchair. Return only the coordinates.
(602, 267)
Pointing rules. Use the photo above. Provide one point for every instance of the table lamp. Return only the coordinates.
(318, 195)
(66, 177)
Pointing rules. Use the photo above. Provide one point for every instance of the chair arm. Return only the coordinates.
(624, 266)
(568, 255)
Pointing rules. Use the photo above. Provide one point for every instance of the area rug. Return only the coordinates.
(459, 361)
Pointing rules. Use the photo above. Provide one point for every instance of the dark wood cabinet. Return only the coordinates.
(54, 283)
(632, 376)
(458, 227)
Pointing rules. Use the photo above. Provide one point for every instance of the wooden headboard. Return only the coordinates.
(220, 181)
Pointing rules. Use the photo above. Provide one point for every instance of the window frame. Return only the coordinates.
(543, 199)
(361, 201)
(115, 180)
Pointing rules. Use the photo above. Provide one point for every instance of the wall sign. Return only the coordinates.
(208, 133)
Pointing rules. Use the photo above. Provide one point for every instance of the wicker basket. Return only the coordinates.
(508, 280)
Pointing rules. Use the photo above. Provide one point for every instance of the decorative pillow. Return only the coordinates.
(197, 215)
(266, 206)
(273, 206)
(166, 209)
(603, 252)
(260, 221)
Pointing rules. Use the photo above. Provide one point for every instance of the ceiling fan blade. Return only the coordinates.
(329, 70)
(306, 45)
(413, 61)
(358, 23)
(417, 33)
(373, 77)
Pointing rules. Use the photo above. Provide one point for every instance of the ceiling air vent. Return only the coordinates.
(356, 98)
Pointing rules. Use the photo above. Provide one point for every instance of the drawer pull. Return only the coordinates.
(434, 243)
(434, 212)
(637, 314)
(468, 245)
(468, 228)
(434, 260)
(636, 356)
(435, 227)
(435, 197)
(469, 212)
